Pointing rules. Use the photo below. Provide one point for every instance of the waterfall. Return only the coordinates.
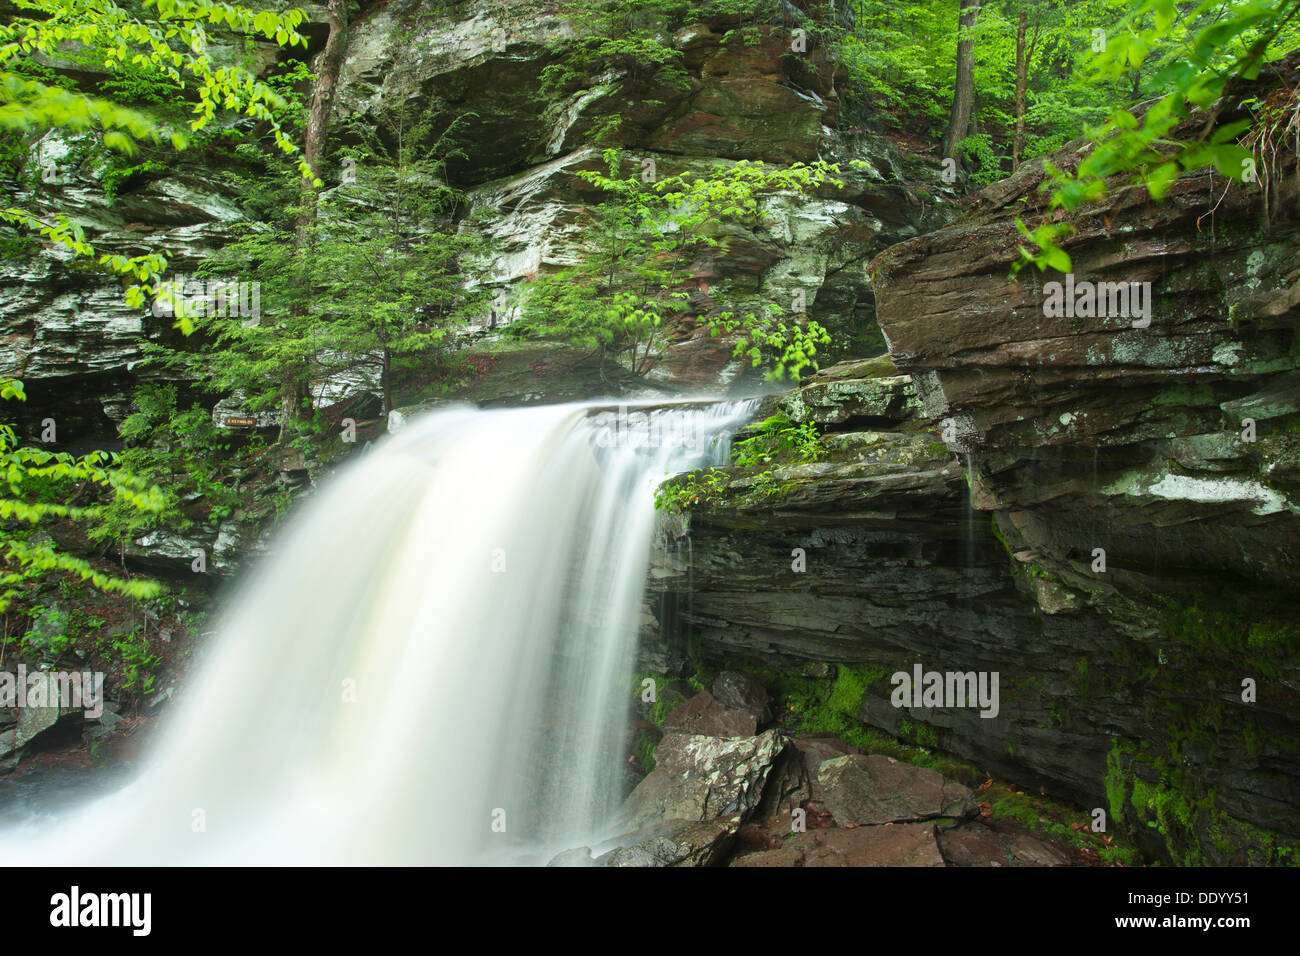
(433, 665)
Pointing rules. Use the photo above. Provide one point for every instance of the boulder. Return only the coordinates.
(858, 391)
(704, 715)
(701, 778)
(870, 789)
(34, 721)
(676, 843)
(743, 692)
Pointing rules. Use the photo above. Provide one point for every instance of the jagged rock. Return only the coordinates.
(854, 391)
(815, 751)
(79, 347)
(34, 721)
(702, 778)
(743, 692)
(793, 792)
(1089, 432)
(910, 844)
(106, 726)
(676, 843)
(1153, 528)
(704, 715)
(871, 789)
(179, 553)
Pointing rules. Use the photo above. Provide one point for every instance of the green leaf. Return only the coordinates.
(1160, 179)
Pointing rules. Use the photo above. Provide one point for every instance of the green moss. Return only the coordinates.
(832, 707)
(1154, 794)
(923, 735)
(1237, 622)
(1168, 810)
(1272, 635)
(1191, 396)
(1117, 779)
(663, 704)
(644, 751)
(850, 687)
(1059, 822)
(702, 679)
(997, 533)
(1083, 677)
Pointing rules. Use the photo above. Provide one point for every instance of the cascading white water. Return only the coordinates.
(439, 645)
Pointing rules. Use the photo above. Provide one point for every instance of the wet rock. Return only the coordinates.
(870, 789)
(813, 753)
(399, 418)
(743, 692)
(976, 844)
(903, 845)
(35, 720)
(793, 794)
(1078, 438)
(676, 843)
(702, 778)
(856, 391)
(106, 726)
(48, 633)
(702, 714)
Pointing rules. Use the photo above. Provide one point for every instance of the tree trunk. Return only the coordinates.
(1022, 80)
(293, 386)
(322, 104)
(385, 382)
(963, 93)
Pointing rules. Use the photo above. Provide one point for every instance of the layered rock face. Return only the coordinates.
(520, 142)
(1128, 564)
(65, 328)
(747, 96)
(1142, 465)
(876, 558)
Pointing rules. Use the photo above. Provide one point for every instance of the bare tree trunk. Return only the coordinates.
(1022, 80)
(293, 387)
(963, 93)
(385, 382)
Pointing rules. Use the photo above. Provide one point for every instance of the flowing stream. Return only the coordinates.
(434, 664)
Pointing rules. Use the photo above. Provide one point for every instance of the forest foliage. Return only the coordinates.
(388, 267)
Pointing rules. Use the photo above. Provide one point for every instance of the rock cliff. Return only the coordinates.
(521, 140)
(1101, 510)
